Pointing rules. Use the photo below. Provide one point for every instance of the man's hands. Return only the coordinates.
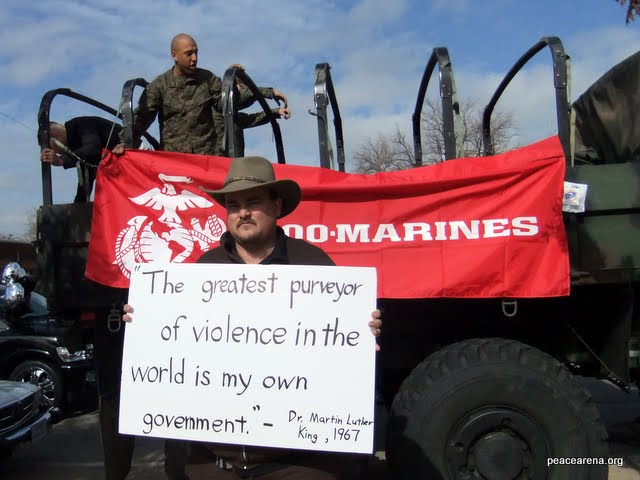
(376, 326)
(279, 97)
(127, 310)
(48, 155)
(284, 112)
(118, 149)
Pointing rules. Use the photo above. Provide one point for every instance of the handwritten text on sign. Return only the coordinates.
(262, 355)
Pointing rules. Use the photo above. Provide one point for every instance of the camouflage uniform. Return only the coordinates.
(242, 120)
(183, 105)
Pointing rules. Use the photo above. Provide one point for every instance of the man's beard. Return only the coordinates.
(248, 239)
(255, 239)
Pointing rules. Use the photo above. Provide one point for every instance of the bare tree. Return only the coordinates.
(468, 132)
(433, 132)
(393, 152)
(29, 234)
(384, 154)
(31, 225)
(633, 9)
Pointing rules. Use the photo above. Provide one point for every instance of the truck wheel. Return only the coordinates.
(45, 377)
(494, 409)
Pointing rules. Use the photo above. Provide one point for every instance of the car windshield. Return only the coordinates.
(38, 304)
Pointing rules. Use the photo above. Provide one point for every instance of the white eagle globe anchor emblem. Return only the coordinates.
(165, 239)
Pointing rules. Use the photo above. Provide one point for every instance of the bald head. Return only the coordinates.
(180, 39)
(184, 52)
(57, 131)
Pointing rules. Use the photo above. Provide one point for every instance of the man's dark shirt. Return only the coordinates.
(288, 251)
(86, 137)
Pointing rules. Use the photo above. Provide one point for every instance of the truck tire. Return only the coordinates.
(44, 376)
(494, 409)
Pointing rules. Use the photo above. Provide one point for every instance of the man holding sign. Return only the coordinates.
(254, 201)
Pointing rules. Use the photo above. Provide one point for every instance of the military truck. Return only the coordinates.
(489, 388)
(475, 388)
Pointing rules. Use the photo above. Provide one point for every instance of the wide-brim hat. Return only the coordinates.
(246, 173)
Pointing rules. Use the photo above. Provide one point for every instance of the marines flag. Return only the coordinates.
(475, 227)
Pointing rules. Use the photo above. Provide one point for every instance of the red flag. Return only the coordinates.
(475, 227)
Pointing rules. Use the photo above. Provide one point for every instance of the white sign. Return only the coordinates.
(267, 355)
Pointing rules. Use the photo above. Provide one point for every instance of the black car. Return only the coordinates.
(24, 415)
(34, 348)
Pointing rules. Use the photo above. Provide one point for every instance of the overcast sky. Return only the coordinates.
(377, 50)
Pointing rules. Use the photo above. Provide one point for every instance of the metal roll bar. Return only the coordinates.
(560, 79)
(324, 95)
(229, 108)
(440, 57)
(126, 105)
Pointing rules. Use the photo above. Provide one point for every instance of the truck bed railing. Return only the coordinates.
(324, 95)
(126, 106)
(440, 57)
(561, 69)
(228, 101)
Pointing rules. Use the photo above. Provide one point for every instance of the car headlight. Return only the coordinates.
(14, 294)
(67, 356)
(12, 272)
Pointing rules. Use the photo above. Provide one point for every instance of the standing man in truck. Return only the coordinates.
(183, 98)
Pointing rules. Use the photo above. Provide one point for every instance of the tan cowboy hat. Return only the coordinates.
(246, 173)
